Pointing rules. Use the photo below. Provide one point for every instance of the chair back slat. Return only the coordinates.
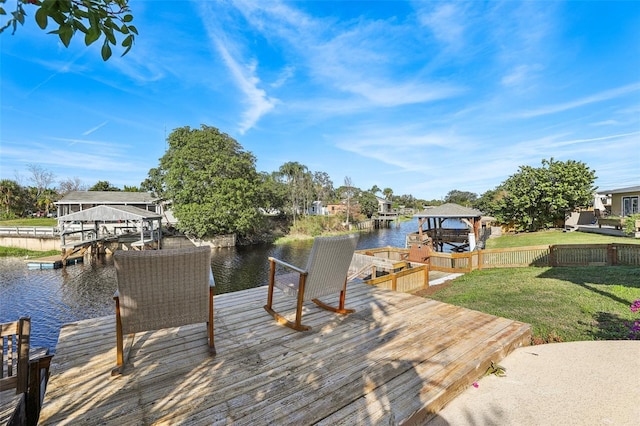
(328, 265)
(163, 288)
(15, 355)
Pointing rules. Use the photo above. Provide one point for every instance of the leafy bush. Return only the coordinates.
(630, 223)
(317, 225)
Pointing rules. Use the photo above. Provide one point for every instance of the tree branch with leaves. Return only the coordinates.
(94, 18)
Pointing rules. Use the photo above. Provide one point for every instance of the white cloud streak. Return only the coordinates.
(587, 100)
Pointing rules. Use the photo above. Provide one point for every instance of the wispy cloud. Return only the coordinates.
(587, 100)
(96, 128)
(446, 21)
(246, 80)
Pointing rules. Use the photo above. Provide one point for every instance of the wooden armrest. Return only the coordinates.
(288, 265)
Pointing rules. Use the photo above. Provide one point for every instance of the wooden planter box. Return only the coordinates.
(618, 223)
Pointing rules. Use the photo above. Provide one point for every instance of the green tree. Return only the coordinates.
(368, 203)
(539, 198)
(293, 175)
(273, 193)
(211, 181)
(388, 193)
(47, 199)
(489, 201)
(464, 198)
(323, 187)
(13, 199)
(154, 183)
(95, 19)
(406, 200)
(104, 185)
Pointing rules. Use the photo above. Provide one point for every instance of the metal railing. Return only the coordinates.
(30, 231)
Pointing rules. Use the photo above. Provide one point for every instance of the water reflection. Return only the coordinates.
(85, 290)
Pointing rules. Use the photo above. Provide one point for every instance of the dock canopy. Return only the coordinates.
(119, 217)
(459, 239)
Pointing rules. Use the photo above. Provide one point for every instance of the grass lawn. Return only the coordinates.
(555, 236)
(20, 252)
(30, 221)
(561, 304)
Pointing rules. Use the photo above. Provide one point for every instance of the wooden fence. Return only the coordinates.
(552, 255)
(385, 268)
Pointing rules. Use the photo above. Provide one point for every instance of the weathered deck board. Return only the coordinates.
(398, 358)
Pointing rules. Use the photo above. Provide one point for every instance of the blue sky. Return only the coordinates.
(422, 97)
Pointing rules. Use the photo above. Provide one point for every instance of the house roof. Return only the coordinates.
(107, 197)
(110, 214)
(449, 210)
(620, 190)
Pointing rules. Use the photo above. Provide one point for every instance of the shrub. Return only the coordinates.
(630, 223)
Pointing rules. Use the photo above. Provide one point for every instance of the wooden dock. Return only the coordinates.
(398, 359)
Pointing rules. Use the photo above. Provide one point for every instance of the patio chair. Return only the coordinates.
(325, 274)
(418, 253)
(162, 289)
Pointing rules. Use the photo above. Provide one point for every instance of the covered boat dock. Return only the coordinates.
(440, 231)
(104, 223)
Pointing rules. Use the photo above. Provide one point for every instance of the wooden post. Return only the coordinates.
(612, 254)
(552, 255)
(480, 259)
(426, 276)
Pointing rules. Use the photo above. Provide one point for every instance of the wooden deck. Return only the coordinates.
(398, 359)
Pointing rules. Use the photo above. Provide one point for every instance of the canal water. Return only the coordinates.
(85, 290)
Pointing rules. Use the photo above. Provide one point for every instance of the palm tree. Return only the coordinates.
(388, 193)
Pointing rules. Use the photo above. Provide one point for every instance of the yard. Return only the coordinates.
(561, 304)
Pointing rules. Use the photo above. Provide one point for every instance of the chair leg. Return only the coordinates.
(297, 325)
(272, 275)
(122, 354)
(340, 309)
(212, 346)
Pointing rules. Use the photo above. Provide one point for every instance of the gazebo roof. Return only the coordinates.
(110, 213)
(449, 210)
(107, 197)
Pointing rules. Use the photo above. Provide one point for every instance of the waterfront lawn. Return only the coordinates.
(20, 252)
(561, 304)
(30, 221)
(555, 236)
